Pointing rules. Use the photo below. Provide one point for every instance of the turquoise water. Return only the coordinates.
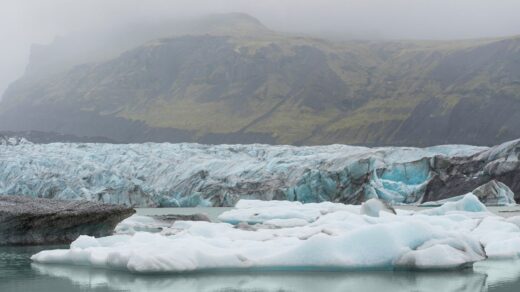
(17, 273)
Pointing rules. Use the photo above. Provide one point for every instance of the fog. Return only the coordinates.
(25, 22)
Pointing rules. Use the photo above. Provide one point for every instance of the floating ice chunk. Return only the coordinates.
(254, 216)
(84, 241)
(306, 236)
(372, 208)
(139, 223)
(442, 202)
(495, 193)
(375, 246)
(467, 203)
(256, 211)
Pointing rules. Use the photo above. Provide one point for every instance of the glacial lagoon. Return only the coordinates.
(18, 273)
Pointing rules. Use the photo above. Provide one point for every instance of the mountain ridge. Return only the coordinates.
(249, 84)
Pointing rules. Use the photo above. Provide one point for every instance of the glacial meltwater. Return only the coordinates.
(18, 273)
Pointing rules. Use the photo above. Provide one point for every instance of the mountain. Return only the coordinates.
(229, 79)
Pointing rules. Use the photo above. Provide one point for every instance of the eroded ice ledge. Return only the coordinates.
(316, 236)
(32, 221)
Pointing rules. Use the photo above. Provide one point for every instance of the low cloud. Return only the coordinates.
(24, 22)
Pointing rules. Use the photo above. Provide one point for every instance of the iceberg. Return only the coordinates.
(373, 207)
(467, 203)
(281, 235)
(190, 175)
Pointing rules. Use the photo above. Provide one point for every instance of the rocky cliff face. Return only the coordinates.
(189, 175)
(241, 83)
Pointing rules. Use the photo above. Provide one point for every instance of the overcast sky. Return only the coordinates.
(23, 22)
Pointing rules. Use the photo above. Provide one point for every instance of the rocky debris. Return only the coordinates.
(31, 221)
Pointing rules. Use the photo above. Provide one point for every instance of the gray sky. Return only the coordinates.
(23, 22)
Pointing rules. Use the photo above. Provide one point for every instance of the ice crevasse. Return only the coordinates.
(282, 235)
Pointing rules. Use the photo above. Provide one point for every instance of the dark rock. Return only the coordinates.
(493, 193)
(454, 176)
(31, 221)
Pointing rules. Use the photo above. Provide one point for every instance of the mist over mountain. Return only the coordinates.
(24, 23)
(227, 78)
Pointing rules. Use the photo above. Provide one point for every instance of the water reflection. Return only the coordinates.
(481, 279)
(500, 273)
(17, 273)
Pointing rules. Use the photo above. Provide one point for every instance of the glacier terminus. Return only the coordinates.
(191, 175)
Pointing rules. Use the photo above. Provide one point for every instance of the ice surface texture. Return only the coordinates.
(191, 175)
(12, 141)
(315, 236)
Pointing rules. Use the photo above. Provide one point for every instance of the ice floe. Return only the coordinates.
(281, 235)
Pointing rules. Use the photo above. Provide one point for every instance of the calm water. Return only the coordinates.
(211, 212)
(17, 273)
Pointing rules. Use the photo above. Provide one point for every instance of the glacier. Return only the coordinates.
(190, 175)
(282, 235)
(12, 140)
